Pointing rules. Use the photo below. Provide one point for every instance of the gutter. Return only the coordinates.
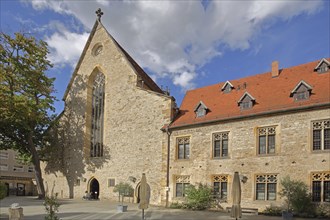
(304, 108)
(168, 165)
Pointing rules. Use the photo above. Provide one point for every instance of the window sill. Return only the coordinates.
(220, 158)
(267, 155)
(320, 151)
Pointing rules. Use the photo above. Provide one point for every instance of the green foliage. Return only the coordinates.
(26, 97)
(296, 196)
(3, 190)
(323, 210)
(198, 198)
(273, 211)
(176, 205)
(123, 189)
(51, 205)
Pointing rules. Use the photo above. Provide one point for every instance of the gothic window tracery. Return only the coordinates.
(96, 148)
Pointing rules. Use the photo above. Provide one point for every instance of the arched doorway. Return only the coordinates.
(94, 189)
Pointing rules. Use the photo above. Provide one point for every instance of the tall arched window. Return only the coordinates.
(97, 116)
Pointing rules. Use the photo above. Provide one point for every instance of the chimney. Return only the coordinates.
(275, 71)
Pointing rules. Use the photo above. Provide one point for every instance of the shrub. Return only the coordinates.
(3, 190)
(175, 205)
(273, 211)
(198, 198)
(297, 196)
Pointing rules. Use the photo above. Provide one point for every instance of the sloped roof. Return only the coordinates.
(271, 95)
(137, 69)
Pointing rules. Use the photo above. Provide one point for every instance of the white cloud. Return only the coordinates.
(174, 38)
(65, 46)
(184, 79)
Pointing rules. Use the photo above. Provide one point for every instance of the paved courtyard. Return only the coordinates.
(33, 209)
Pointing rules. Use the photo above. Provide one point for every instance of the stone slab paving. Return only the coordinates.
(73, 209)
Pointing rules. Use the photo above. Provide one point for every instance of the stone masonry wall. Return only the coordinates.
(132, 122)
(293, 156)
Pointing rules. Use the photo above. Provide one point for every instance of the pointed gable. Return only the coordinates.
(302, 91)
(323, 66)
(246, 101)
(143, 80)
(227, 87)
(200, 109)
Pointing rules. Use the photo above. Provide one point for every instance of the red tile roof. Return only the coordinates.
(271, 95)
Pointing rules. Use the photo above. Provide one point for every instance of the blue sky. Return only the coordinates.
(181, 44)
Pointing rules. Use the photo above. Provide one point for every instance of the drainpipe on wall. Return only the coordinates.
(168, 165)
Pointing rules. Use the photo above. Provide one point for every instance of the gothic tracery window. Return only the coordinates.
(97, 116)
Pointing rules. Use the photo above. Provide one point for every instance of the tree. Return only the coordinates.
(26, 99)
(296, 196)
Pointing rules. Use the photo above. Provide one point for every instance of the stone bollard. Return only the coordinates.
(15, 212)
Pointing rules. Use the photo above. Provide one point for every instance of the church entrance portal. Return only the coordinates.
(94, 189)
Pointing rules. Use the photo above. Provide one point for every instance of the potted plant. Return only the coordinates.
(123, 189)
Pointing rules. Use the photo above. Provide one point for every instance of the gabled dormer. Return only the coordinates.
(246, 101)
(301, 92)
(227, 87)
(323, 66)
(200, 109)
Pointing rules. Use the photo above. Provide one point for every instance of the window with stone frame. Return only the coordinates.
(96, 149)
(266, 140)
(321, 135)
(321, 186)
(4, 167)
(4, 155)
(220, 145)
(220, 186)
(183, 147)
(266, 186)
(111, 182)
(18, 168)
(181, 184)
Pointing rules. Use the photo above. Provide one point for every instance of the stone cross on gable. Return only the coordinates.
(99, 14)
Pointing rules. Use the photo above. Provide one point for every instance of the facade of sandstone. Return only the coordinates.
(117, 124)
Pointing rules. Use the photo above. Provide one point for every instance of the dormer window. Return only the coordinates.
(246, 101)
(227, 87)
(301, 92)
(200, 109)
(323, 66)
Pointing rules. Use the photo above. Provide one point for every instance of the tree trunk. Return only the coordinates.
(36, 163)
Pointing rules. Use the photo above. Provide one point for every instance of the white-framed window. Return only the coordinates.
(220, 144)
(266, 186)
(266, 140)
(220, 186)
(321, 135)
(18, 168)
(4, 155)
(321, 186)
(4, 167)
(181, 184)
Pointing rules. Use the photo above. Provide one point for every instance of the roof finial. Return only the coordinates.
(99, 13)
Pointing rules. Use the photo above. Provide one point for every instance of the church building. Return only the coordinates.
(117, 124)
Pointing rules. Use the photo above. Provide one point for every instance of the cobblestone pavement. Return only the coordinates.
(74, 209)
